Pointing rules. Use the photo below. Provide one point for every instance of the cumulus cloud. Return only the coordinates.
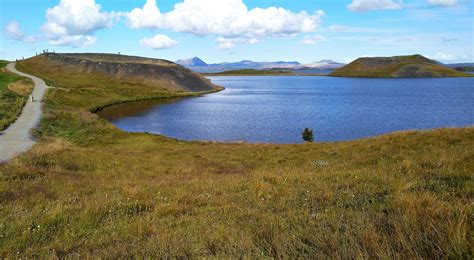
(442, 2)
(228, 19)
(337, 28)
(74, 40)
(229, 43)
(449, 39)
(13, 31)
(73, 22)
(444, 56)
(374, 5)
(312, 39)
(159, 41)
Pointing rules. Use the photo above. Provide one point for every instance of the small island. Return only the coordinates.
(412, 66)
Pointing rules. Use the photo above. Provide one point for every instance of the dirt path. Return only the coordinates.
(17, 137)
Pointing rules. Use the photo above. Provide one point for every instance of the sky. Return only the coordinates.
(234, 30)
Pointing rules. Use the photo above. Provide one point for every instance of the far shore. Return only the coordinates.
(263, 74)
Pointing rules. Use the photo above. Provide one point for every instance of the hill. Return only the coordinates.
(413, 66)
(121, 69)
(193, 62)
(323, 64)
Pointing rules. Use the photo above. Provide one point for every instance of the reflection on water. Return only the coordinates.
(136, 108)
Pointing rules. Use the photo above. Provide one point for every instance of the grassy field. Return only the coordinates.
(90, 189)
(14, 92)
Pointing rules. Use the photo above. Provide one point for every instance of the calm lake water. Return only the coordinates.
(277, 108)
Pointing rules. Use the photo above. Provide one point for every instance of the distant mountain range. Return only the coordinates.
(460, 65)
(199, 65)
(324, 65)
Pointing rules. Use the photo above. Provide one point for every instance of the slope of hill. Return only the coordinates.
(413, 66)
(121, 69)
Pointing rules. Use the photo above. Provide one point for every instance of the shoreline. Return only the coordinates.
(98, 108)
(324, 75)
(260, 74)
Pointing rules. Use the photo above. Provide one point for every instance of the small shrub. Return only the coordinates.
(308, 135)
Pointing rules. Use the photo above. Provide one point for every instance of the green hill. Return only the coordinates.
(413, 66)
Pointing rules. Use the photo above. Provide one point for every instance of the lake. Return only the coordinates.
(276, 109)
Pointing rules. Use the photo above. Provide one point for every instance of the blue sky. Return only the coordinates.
(233, 30)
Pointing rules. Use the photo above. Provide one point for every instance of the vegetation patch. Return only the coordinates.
(14, 92)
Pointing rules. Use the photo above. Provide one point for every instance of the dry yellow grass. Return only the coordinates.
(21, 87)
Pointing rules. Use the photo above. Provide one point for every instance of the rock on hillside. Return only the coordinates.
(134, 70)
(413, 66)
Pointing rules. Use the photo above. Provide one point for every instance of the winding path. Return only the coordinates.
(17, 137)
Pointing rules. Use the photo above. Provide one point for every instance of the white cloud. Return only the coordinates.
(74, 40)
(159, 41)
(374, 5)
(352, 29)
(443, 2)
(349, 60)
(73, 22)
(225, 18)
(441, 56)
(229, 43)
(312, 40)
(337, 28)
(13, 31)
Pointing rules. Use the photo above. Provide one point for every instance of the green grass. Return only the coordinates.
(90, 189)
(11, 101)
